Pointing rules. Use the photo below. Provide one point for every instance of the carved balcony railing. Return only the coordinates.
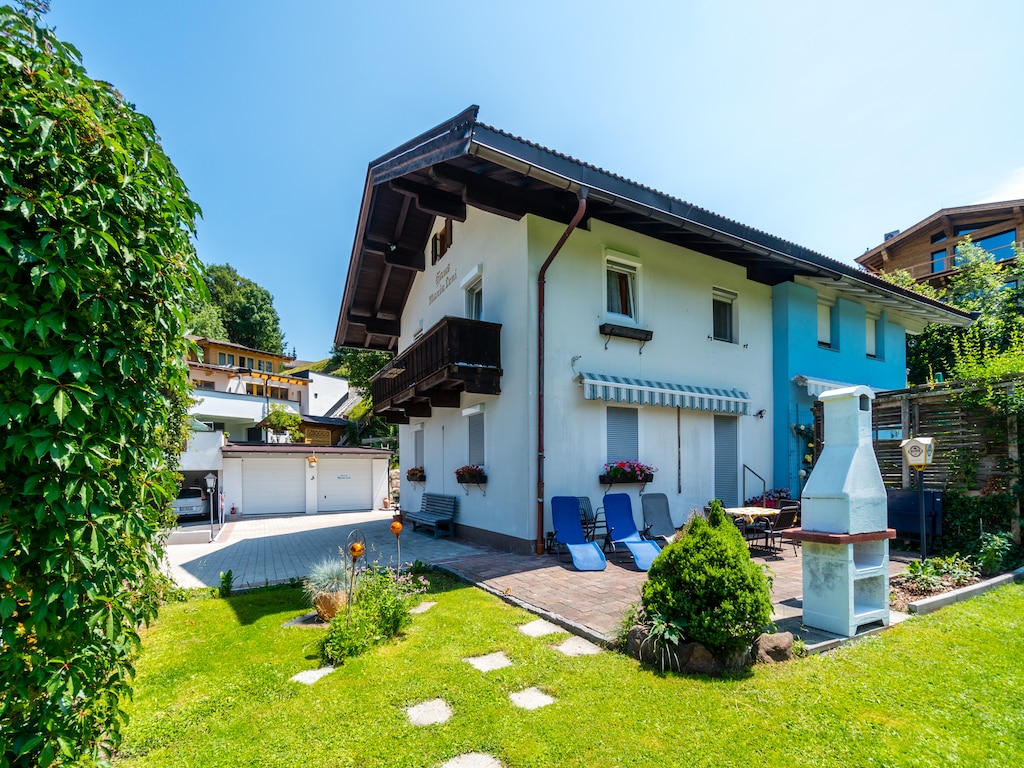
(456, 355)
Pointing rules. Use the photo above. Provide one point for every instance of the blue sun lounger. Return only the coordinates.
(565, 518)
(618, 514)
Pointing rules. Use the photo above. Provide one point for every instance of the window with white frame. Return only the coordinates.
(475, 300)
(475, 425)
(621, 289)
(826, 322)
(623, 440)
(723, 315)
(871, 336)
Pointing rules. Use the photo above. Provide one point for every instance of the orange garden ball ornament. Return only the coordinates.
(396, 528)
(356, 549)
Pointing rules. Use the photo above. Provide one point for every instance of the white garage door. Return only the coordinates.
(344, 485)
(273, 486)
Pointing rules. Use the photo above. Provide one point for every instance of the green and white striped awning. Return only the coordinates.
(618, 389)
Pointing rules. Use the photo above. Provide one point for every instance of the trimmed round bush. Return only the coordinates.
(706, 582)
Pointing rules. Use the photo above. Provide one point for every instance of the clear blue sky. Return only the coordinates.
(825, 123)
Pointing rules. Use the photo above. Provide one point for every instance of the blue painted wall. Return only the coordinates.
(796, 353)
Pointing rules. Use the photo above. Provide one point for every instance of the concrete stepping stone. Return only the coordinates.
(531, 698)
(310, 676)
(490, 661)
(577, 646)
(423, 607)
(539, 628)
(473, 760)
(429, 712)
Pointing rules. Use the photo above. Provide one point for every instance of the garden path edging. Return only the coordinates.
(929, 604)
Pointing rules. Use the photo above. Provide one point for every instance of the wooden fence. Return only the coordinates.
(976, 448)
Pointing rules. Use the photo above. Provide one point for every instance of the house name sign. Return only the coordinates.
(442, 280)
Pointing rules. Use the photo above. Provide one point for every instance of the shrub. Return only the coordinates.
(97, 270)
(706, 582)
(327, 579)
(380, 610)
(993, 550)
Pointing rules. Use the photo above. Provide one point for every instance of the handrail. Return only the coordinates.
(764, 484)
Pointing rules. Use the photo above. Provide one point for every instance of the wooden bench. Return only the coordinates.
(435, 510)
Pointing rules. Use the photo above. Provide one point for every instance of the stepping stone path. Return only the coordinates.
(539, 628)
(423, 607)
(531, 698)
(310, 676)
(437, 711)
(577, 646)
(429, 712)
(490, 661)
(473, 760)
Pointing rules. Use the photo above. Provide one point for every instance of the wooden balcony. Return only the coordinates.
(455, 356)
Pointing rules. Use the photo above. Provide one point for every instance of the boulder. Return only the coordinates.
(770, 648)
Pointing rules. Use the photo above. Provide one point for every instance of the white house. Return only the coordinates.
(548, 317)
(258, 472)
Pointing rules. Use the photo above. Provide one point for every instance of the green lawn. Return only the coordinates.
(213, 690)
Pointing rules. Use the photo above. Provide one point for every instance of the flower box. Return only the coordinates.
(613, 480)
(471, 473)
(478, 479)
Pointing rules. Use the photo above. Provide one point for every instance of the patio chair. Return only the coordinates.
(618, 514)
(592, 521)
(657, 518)
(780, 523)
(565, 518)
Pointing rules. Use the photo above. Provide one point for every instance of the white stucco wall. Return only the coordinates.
(675, 301)
(322, 393)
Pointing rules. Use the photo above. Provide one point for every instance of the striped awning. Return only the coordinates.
(618, 389)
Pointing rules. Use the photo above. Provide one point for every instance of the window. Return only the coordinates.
(231, 359)
(726, 460)
(254, 389)
(221, 358)
(201, 384)
(623, 436)
(826, 321)
(278, 393)
(723, 307)
(475, 300)
(1000, 246)
(476, 439)
(621, 288)
(259, 363)
(871, 336)
(417, 447)
(938, 261)
(440, 244)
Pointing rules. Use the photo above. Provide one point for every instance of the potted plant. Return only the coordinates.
(471, 473)
(415, 474)
(326, 587)
(631, 471)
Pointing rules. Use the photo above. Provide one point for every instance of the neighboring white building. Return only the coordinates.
(656, 344)
(259, 472)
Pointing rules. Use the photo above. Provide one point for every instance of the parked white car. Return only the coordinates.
(191, 502)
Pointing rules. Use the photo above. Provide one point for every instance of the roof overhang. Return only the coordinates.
(463, 163)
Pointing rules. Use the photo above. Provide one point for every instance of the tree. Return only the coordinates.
(96, 263)
(359, 366)
(993, 291)
(246, 309)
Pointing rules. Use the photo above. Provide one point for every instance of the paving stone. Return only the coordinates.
(429, 712)
(577, 646)
(423, 607)
(473, 760)
(490, 661)
(539, 628)
(531, 698)
(310, 676)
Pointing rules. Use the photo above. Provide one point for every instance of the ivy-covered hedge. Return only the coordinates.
(96, 263)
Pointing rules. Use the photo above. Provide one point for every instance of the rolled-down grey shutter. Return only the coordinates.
(726, 461)
(476, 439)
(623, 442)
(417, 448)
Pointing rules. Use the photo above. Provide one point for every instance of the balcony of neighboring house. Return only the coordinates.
(455, 356)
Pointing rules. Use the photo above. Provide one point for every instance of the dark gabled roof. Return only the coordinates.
(464, 163)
